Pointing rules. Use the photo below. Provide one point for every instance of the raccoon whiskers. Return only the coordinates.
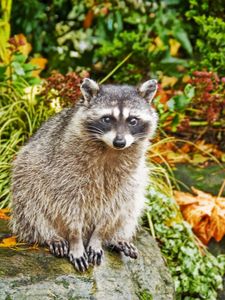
(140, 135)
(92, 138)
(94, 129)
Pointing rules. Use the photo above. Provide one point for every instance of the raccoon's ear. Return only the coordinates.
(148, 89)
(89, 88)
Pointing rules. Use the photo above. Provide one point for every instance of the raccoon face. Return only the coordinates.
(119, 116)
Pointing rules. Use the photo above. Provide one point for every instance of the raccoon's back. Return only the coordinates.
(31, 166)
(54, 126)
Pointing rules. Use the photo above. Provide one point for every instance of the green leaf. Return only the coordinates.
(171, 104)
(189, 91)
(178, 102)
(20, 58)
(110, 22)
(119, 21)
(18, 68)
(2, 72)
(182, 37)
(175, 122)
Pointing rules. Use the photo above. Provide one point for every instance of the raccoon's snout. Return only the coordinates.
(119, 142)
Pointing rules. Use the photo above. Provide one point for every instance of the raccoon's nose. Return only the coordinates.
(119, 142)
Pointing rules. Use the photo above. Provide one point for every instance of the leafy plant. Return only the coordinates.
(98, 35)
(38, 19)
(210, 96)
(18, 67)
(64, 89)
(197, 274)
(173, 110)
(208, 34)
(13, 51)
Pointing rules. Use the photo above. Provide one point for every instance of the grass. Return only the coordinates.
(21, 112)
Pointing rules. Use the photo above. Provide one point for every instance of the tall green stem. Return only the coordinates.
(116, 68)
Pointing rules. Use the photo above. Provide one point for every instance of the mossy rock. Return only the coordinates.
(35, 274)
(208, 179)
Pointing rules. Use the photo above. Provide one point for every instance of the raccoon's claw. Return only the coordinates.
(59, 248)
(81, 263)
(127, 248)
(95, 256)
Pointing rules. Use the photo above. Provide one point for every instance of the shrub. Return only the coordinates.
(98, 35)
(208, 34)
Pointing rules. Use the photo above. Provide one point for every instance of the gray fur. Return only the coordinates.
(74, 192)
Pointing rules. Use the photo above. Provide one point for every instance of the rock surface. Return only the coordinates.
(29, 274)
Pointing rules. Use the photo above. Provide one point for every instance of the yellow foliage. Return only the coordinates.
(167, 81)
(3, 214)
(8, 242)
(40, 62)
(174, 47)
(5, 29)
(157, 44)
(23, 46)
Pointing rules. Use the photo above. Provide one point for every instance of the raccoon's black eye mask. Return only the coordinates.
(140, 129)
(107, 119)
(100, 126)
(134, 125)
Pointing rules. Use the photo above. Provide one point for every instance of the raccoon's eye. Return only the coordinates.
(106, 119)
(133, 121)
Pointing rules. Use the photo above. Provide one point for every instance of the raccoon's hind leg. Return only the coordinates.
(126, 247)
(48, 235)
(123, 232)
(38, 230)
(58, 246)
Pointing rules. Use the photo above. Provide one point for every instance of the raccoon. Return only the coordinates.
(79, 183)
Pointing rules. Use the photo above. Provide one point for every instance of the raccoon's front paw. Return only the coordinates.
(95, 255)
(80, 263)
(127, 248)
(58, 247)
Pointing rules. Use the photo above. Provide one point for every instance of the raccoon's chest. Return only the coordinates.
(104, 192)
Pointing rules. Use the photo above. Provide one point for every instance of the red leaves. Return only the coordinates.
(67, 87)
(209, 95)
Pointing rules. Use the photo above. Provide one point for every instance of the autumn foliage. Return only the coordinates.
(4, 214)
(205, 213)
(66, 87)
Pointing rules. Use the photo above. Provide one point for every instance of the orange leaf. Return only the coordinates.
(3, 214)
(23, 45)
(8, 242)
(163, 96)
(40, 62)
(202, 230)
(88, 19)
(205, 213)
